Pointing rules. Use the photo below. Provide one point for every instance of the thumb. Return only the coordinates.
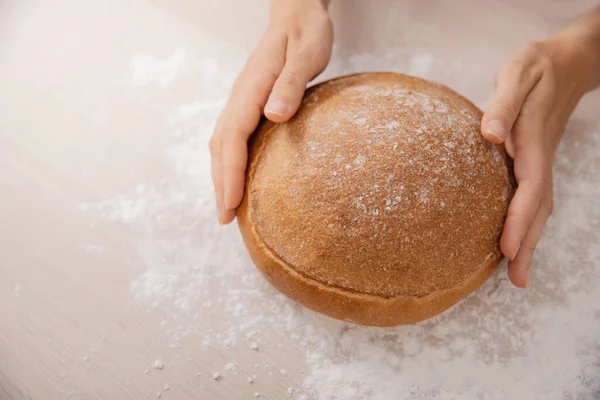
(288, 90)
(513, 85)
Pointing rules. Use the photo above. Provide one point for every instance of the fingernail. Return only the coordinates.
(276, 107)
(496, 128)
(228, 203)
(516, 252)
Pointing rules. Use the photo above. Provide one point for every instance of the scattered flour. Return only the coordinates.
(230, 366)
(500, 342)
(147, 70)
(158, 364)
(359, 161)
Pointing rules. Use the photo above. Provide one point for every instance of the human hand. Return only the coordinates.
(295, 48)
(536, 92)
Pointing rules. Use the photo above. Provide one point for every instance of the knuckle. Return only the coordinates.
(539, 55)
(538, 189)
(304, 50)
(535, 51)
(306, 60)
(288, 80)
(545, 180)
(545, 66)
(538, 192)
(510, 107)
(242, 117)
(522, 216)
(295, 33)
(528, 63)
(230, 132)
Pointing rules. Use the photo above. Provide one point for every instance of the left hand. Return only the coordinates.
(536, 92)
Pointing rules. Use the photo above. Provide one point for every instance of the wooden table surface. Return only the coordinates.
(117, 283)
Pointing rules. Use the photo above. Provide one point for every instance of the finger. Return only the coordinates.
(514, 82)
(241, 116)
(509, 145)
(306, 59)
(223, 216)
(256, 80)
(239, 121)
(519, 267)
(532, 175)
(288, 91)
(235, 157)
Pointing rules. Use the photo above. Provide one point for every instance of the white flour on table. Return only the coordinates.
(147, 70)
(499, 343)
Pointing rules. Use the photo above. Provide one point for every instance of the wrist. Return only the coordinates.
(287, 13)
(287, 6)
(581, 40)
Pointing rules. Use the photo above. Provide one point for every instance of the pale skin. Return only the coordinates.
(537, 90)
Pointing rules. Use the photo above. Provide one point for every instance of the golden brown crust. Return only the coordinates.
(359, 308)
(396, 287)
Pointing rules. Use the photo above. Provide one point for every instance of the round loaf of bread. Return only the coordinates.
(379, 203)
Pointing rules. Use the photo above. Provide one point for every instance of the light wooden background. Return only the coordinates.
(82, 130)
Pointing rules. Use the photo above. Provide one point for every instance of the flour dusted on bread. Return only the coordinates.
(379, 202)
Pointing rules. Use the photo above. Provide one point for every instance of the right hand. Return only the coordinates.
(295, 48)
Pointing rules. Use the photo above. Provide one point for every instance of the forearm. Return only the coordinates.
(585, 34)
